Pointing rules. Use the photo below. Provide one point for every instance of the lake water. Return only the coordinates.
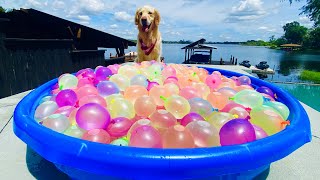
(288, 65)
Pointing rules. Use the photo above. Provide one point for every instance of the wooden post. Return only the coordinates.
(185, 55)
(118, 52)
(121, 52)
(210, 56)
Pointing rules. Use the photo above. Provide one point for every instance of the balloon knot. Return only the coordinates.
(61, 87)
(231, 98)
(275, 96)
(163, 98)
(285, 122)
(248, 109)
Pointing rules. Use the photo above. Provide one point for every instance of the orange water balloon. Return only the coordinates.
(217, 100)
(133, 92)
(144, 106)
(178, 137)
(156, 92)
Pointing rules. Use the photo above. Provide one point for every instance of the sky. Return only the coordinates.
(214, 20)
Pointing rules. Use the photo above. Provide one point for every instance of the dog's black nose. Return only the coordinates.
(144, 22)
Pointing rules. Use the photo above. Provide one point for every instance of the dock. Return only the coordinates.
(260, 71)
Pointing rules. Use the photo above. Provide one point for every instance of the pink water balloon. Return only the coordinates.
(97, 135)
(189, 92)
(145, 136)
(138, 123)
(92, 116)
(65, 110)
(92, 99)
(231, 105)
(190, 117)
(56, 122)
(119, 127)
(168, 71)
(151, 84)
(240, 112)
(86, 90)
(162, 120)
(213, 81)
(260, 133)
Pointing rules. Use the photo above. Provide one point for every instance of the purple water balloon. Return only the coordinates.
(66, 97)
(190, 118)
(260, 133)
(84, 70)
(237, 131)
(265, 90)
(244, 80)
(103, 72)
(106, 88)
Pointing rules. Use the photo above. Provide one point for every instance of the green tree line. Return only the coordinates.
(294, 33)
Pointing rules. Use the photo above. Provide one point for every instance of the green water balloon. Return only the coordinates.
(248, 98)
(280, 107)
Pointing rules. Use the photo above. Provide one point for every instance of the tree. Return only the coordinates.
(2, 10)
(315, 37)
(312, 10)
(294, 33)
(280, 41)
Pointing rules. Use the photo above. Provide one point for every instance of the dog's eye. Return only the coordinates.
(140, 13)
(150, 13)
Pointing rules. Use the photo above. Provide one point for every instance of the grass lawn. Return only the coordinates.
(313, 76)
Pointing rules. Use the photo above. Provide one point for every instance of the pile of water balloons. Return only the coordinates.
(157, 105)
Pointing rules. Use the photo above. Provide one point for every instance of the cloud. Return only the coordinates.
(246, 10)
(305, 21)
(58, 4)
(113, 26)
(95, 6)
(267, 29)
(225, 37)
(123, 16)
(84, 18)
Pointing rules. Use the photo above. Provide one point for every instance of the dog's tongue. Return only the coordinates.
(145, 28)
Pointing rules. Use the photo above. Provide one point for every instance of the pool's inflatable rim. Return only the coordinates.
(127, 161)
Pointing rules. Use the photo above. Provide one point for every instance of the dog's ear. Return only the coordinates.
(136, 18)
(157, 17)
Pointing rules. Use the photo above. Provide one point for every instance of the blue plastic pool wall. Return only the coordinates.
(78, 157)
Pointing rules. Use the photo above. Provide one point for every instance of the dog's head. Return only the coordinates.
(147, 18)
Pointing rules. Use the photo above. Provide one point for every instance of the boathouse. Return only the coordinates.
(36, 47)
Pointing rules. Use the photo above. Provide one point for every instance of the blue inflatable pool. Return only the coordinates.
(83, 159)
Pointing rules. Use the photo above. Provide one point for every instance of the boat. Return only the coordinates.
(245, 63)
(262, 65)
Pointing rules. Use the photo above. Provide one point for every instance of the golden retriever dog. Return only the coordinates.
(149, 42)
